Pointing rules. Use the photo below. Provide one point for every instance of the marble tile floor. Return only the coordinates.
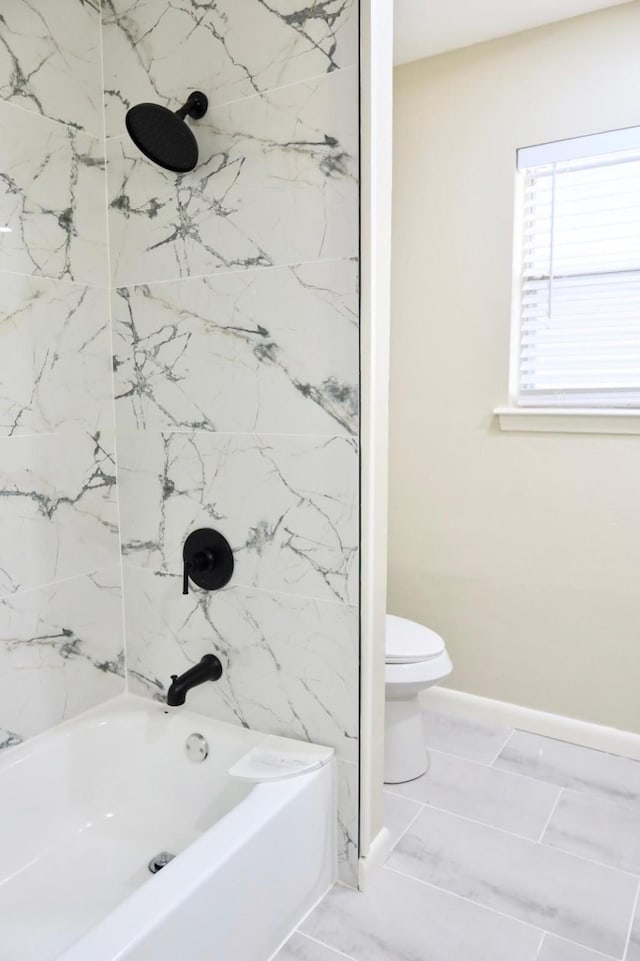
(513, 847)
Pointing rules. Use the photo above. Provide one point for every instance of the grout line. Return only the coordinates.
(188, 431)
(264, 94)
(509, 917)
(482, 824)
(540, 946)
(461, 897)
(633, 918)
(425, 805)
(598, 954)
(510, 735)
(44, 433)
(551, 813)
(409, 825)
(486, 767)
(4, 598)
(523, 837)
(241, 271)
(573, 789)
(123, 622)
(82, 131)
(61, 433)
(51, 279)
(579, 747)
(334, 601)
(323, 944)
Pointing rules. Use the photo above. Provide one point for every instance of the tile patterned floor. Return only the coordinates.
(514, 847)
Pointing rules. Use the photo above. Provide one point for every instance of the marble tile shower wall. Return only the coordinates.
(61, 647)
(236, 328)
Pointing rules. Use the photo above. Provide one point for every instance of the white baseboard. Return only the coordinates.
(608, 739)
(378, 852)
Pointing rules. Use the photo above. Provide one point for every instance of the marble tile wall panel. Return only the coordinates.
(58, 512)
(583, 902)
(263, 350)
(276, 184)
(348, 811)
(290, 664)
(229, 49)
(287, 505)
(605, 831)
(61, 651)
(506, 801)
(60, 590)
(9, 738)
(236, 385)
(55, 356)
(51, 200)
(401, 919)
(50, 60)
(603, 775)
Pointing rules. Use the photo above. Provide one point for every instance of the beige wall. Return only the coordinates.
(523, 550)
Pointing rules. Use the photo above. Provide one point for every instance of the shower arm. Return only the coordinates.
(195, 107)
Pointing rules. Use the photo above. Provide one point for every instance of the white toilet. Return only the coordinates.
(416, 659)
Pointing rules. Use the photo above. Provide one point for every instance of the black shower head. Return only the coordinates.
(163, 136)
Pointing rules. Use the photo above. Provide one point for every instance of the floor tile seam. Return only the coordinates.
(584, 792)
(596, 796)
(598, 954)
(425, 805)
(483, 824)
(497, 755)
(582, 857)
(581, 747)
(634, 911)
(323, 944)
(411, 822)
(461, 897)
(402, 797)
(511, 917)
(550, 817)
(543, 933)
(490, 766)
(540, 946)
(532, 841)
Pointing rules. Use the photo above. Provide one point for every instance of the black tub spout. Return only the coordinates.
(208, 669)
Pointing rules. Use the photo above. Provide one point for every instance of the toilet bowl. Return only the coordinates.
(416, 658)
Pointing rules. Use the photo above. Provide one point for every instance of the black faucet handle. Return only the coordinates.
(185, 576)
(208, 560)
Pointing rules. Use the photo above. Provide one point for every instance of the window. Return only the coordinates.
(576, 332)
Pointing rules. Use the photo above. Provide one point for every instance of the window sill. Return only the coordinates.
(569, 421)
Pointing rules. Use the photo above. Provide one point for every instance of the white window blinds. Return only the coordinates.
(578, 296)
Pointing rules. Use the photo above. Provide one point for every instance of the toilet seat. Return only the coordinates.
(416, 659)
(410, 643)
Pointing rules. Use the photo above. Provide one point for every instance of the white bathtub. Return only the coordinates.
(85, 807)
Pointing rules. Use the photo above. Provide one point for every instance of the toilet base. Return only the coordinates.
(405, 753)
